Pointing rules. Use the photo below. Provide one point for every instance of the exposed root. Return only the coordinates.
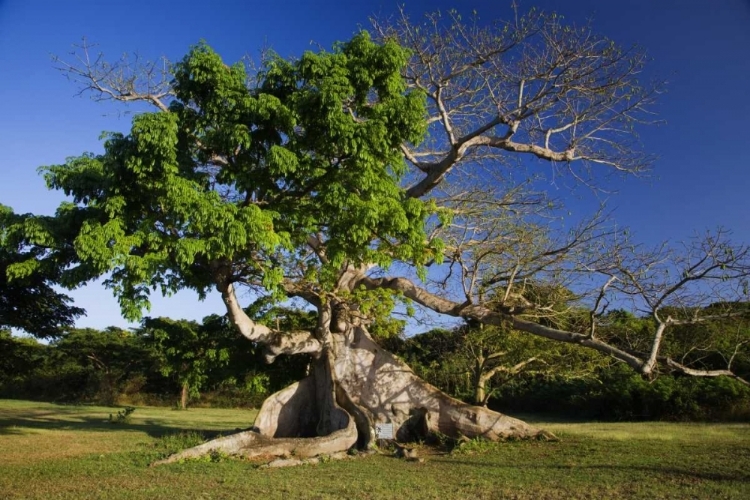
(281, 427)
(384, 386)
(292, 462)
(251, 444)
(546, 436)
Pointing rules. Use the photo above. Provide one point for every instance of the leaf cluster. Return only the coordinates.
(230, 183)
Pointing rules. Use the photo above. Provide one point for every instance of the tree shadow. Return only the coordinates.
(660, 470)
(20, 421)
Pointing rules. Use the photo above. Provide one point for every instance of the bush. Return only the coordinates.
(122, 416)
(617, 393)
(231, 394)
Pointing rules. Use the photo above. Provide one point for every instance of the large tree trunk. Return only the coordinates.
(354, 385)
(387, 390)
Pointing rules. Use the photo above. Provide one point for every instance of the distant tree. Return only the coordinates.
(710, 339)
(111, 354)
(480, 358)
(187, 350)
(432, 356)
(495, 353)
(474, 361)
(29, 302)
(20, 356)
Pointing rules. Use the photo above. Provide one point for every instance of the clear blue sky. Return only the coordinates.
(701, 47)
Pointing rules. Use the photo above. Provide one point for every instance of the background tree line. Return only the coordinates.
(514, 373)
(164, 362)
(181, 363)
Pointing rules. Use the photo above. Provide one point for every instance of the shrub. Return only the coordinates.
(617, 393)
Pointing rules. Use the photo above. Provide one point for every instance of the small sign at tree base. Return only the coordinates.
(384, 431)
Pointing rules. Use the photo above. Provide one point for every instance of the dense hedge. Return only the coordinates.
(54, 372)
(617, 393)
(31, 370)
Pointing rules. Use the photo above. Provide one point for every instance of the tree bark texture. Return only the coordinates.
(354, 385)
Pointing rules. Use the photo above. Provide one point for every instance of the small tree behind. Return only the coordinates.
(187, 351)
(29, 302)
(110, 356)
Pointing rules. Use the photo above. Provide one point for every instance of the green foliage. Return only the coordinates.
(707, 345)
(20, 355)
(580, 383)
(104, 359)
(249, 391)
(284, 318)
(434, 356)
(616, 393)
(188, 350)
(257, 383)
(378, 305)
(83, 365)
(453, 360)
(117, 366)
(28, 300)
(122, 416)
(234, 178)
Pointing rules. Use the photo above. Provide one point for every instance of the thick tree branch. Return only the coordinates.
(488, 316)
(275, 343)
(536, 86)
(679, 367)
(513, 370)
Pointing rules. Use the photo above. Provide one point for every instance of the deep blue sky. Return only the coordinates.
(701, 47)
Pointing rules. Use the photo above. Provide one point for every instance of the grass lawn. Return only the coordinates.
(54, 451)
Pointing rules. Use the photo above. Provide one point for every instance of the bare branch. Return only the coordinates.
(533, 87)
(130, 79)
(678, 367)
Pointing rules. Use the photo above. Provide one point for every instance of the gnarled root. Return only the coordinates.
(250, 444)
(284, 417)
(389, 391)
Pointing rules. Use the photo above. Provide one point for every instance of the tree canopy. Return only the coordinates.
(232, 181)
(30, 302)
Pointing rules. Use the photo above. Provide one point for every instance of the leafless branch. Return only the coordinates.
(129, 79)
(534, 86)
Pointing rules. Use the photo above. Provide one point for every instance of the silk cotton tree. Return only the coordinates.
(290, 187)
(343, 179)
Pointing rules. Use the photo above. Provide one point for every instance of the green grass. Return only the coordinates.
(53, 451)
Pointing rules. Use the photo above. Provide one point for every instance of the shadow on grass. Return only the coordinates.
(655, 469)
(72, 419)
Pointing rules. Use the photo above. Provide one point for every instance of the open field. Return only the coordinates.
(53, 451)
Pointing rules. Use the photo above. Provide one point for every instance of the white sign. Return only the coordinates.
(384, 431)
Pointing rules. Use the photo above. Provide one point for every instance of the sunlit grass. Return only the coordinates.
(52, 451)
(48, 415)
(650, 431)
